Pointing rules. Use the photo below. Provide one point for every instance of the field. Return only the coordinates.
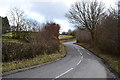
(7, 34)
(8, 38)
(65, 36)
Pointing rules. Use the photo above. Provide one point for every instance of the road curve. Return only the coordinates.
(78, 63)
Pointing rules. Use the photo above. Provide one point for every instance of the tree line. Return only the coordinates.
(96, 26)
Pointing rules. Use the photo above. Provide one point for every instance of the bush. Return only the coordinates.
(83, 36)
(16, 51)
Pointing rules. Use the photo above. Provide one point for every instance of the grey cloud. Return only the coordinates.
(52, 10)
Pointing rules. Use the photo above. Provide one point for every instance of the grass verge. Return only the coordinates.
(40, 59)
(112, 60)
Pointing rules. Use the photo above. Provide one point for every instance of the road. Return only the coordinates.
(78, 63)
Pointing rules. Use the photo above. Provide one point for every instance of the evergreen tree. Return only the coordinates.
(5, 25)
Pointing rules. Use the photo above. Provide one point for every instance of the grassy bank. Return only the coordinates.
(40, 59)
(112, 60)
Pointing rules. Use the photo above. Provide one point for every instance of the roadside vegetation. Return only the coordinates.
(40, 59)
(26, 43)
(97, 30)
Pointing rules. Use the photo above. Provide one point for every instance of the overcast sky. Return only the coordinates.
(43, 10)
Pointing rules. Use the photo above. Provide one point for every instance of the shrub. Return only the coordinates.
(83, 36)
(16, 51)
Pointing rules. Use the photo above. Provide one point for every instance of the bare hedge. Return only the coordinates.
(16, 51)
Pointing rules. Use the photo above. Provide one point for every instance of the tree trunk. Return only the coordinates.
(93, 38)
(119, 40)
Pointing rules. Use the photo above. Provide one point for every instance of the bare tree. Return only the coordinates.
(32, 24)
(119, 29)
(86, 15)
(21, 25)
(16, 17)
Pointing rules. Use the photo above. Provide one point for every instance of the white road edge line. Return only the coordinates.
(82, 48)
(64, 73)
(88, 53)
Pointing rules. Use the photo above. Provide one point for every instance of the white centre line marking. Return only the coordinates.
(79, 62)
(81, 54)
(64, 73)
(81, 57)
(72, 68)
